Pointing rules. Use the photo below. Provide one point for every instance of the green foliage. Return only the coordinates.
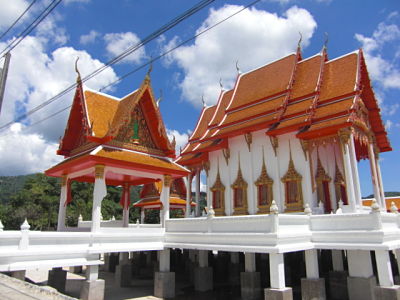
(387, 194)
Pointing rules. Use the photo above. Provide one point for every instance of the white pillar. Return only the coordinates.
(360, 264)
(62, 207)
(312, 271)
(125, 210)
(99, 192)
(374, 176)
(197, 210)
(142, 215)
(92, 272)
(348, 172)
(354, 168)
(251, 193)
(382, 191)
(384, 268)
(166, 183)
(203, 258)
(165, 260)
(337, 260)
(188, 195)
(277, 270)
(249, 262)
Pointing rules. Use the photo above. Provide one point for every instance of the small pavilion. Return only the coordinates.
(119, 142)
(151, 192)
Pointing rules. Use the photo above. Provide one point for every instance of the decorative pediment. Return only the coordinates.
(264, 189)
(293, 190)
(291, 173)
(218, 196)
(321, 174)
(239, 187)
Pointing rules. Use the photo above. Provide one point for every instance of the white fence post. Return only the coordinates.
(24, 242)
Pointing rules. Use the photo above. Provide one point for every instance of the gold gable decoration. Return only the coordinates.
(239, 188)
(293, 190)
(340, 186)
(218, 196)
(320, 178)
(264, 189)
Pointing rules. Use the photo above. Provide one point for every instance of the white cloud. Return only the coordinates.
(89, 38)
(10, 11)
(253, 37)
(180, 138)
(25, 153)
(388, 125)
(116, 43)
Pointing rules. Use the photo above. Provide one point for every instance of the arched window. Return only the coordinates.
(293, 190)
(264, 190)
(239, 188)
(218, 196)
(323, 181)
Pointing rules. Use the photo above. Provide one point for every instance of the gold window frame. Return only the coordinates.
(339, 183)
(290, 176)
(264, 179)
(241, 184)
(218, 187)
(320, 178)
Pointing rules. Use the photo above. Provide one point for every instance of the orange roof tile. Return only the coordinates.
(220, 110)
(298, 106)
(306, 77)
(101, 110)
(202, 124)
(339, 77)
(334, 107)
(263, 82)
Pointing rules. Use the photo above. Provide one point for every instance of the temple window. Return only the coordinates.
(239, 188)
(218, 198)
(340, 187)
(264, 190)
(293, 190)
(323, 181)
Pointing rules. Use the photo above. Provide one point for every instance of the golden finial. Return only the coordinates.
(78, 79)
(159, 98)
(300, 39)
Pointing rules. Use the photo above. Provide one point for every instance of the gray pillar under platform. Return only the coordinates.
(123, 275)
(234, 273)
(92, 290)
(57, 279)
(387, 293)
(250, 285)
(278, 294)
(203, 279)
(313, 289)
(361, 288)
(19, 274)
(338, 285)
(76, 269)
(110, 262)
(164, 284)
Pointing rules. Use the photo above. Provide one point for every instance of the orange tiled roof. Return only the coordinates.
(101, 110)
(202, 124)
(326, 90)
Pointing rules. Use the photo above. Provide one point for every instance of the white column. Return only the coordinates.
(62, 207)
(203, 258)
(142, 215)
(249, 262)
(99, 192)
(354, 168)
(360, 264)
(382, 191)
(251, 194)
(125, 210)
(384, 268)
(197, 209)
(166, 183)
(92, 272)
(397, 253)
(337, 260)
(277, 270)
(312, 264)
(188, 194)
(308, 192)
(348, 174)
(371, 155)
(165, 260)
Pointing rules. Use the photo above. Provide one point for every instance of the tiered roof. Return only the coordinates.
(313, 97)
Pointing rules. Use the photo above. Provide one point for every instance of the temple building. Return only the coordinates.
(291, 131)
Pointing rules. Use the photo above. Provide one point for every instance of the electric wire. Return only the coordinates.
(31, 26)
(143, 65)
(116, 59)
(19, 18)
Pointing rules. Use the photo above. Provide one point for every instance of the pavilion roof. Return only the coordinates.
(313, 97)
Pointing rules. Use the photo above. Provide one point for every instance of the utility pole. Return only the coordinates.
(3, 77)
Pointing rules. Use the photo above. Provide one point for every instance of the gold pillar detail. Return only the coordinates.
(249, 139)
(99, 171)
(206, 166)
(304, 146)
(64, 180)
(227, 154)
(274, 143)
(167, 180)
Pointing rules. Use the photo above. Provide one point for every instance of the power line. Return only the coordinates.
(31, 26)
(145, 64)
(19, 18)
(116, 59)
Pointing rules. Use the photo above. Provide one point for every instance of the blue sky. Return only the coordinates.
(97, 30)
